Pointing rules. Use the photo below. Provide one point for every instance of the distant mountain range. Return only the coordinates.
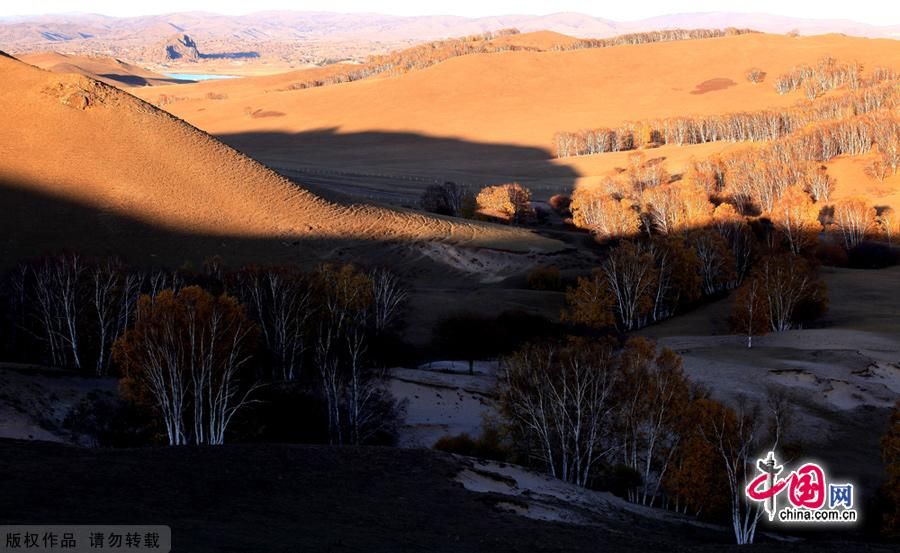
(51, 30)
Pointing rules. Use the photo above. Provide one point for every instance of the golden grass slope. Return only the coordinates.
(523, 97)
(517, 99)
(71, 139)
(111, 71)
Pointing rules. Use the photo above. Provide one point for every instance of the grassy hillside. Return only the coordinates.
(119, 175)
(487, 118)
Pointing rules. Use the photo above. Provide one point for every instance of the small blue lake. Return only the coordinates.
(199, 76)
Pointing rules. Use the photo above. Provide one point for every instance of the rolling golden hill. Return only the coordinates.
(85, 166)
(487, 118)
(111, 71)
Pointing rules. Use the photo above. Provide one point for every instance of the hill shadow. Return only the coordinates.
(135, 80)
(37, 224)
(396, 167)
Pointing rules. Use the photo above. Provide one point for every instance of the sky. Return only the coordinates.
(879, 12)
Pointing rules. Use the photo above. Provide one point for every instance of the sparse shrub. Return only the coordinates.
(545, 278)
(445, 199)
(104, 420)
(755, 75)
(560, 203)
(877, 169)
(486, 446)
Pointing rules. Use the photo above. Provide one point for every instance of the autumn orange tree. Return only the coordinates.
(818, 183)
(512, 201)
(678, 207)
(183, 355)
(654, 396)
(345, 300)
(709, 174)
(649, 280)
(643, 174)
(604, 215)
(736, 435)
(589, 303)
(887, 138)
(280, 300)
(695, 481)
(755, 75)
(796, 217)
(820, 118)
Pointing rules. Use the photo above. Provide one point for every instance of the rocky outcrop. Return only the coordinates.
(182, 48)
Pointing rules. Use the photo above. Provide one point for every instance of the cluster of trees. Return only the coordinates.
(66, 311)
(511, 201)
(731, 127)
(672, 246)
(449, 198)
(828, 74)
(192, 346)
(645, 281)
(781, 293)
(426, 55)
(644, 198)
(431, 53)
(576, 407)
(184, 354)
(755, 179)
(416, 57)
(784, 181)
(647, 37)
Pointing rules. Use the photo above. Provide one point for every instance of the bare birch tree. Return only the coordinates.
(561, 399)
(388, 295)
(280, 301)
